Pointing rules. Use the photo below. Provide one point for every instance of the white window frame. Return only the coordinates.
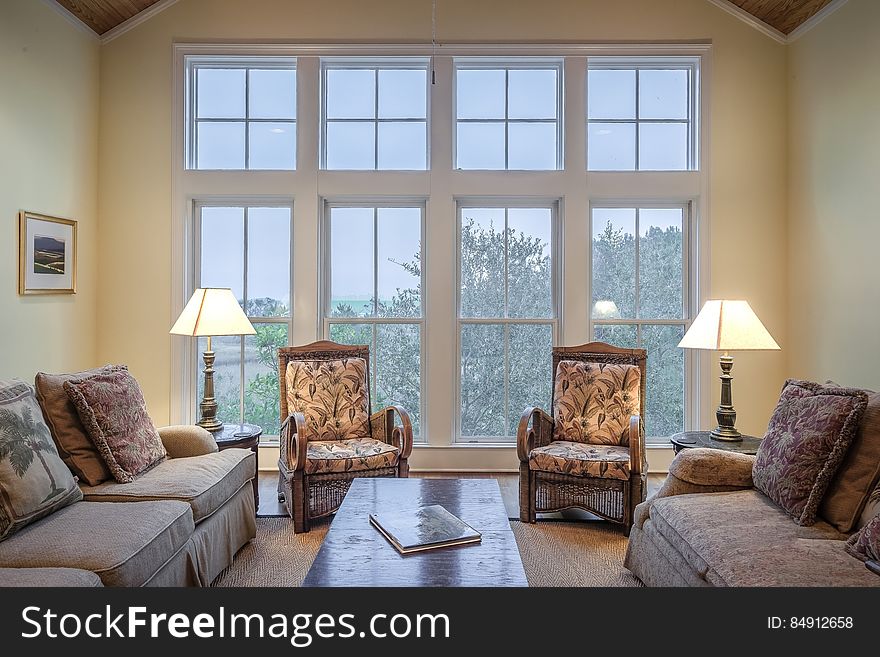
(196, 259)
(195, 62)
(555, 302)
(375, 64)
(689, 64)
(508, 64)
(442, 186)
(688, 311)
(374, 321)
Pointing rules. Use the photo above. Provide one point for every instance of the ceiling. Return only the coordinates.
(782, 15)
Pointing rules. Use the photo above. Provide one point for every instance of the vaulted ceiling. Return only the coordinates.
(783, 15)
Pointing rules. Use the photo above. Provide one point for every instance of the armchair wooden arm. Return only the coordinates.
(636, 445)
(535, 430)
(384, 428)
(294, 442)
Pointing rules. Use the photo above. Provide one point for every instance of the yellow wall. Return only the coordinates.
(748, 145)
(49, 73)
(834, 154)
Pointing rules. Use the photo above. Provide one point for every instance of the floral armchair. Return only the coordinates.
(328, 436)
(590, 454)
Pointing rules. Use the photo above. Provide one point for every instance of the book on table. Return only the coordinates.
(424, 528)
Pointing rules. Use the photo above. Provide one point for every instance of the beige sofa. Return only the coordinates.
(707, 526)
(178, 524)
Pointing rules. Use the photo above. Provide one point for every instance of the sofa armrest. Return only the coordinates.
(713, 467)
(183, 440)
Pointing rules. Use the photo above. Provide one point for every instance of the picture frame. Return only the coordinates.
(47, 254)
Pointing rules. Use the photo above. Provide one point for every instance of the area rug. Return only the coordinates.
(553, 554)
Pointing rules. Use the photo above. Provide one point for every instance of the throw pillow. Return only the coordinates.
(34, 481)
(113, 411)
(74, 445)
(810, 431)
(332, 395)
(865, 544)
(593, 402)
(858, 474)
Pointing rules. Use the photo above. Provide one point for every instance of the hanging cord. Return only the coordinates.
(433, 39)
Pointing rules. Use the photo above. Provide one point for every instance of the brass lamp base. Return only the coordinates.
(208, 405)
(726, 414)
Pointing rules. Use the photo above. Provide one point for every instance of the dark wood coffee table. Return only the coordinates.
(354, 553)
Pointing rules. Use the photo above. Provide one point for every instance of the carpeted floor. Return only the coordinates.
(553, 554)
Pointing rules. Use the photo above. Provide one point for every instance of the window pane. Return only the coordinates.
(480, 94)
(220, 93)
(482, 262)
(272, 145)
(480, 146)
(482, 380)
(403, 146)
(532, 146)
(614, 263)
(351, 259)
(403, 94)
(272, 94)
(222, 249)
(351, 145)
(663, 94)
(529, 269)
(261, 387)
(398, 369)
(532, 94)
(663, 146)
(220, 145)
(665, 398)
(619, 335)
(268, 262)
(351, 94)
(227, 376)
(611, 94)
(660, 263)
(529, 379)
(611, 146)
(399, 262)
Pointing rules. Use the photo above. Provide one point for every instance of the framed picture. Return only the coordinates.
(47, 254)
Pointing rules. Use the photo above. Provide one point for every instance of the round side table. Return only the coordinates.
(244, 436)
(691, 439)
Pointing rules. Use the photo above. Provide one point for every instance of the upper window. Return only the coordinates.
(242, 113)
(507, 115)
(375, 115)
(641, 116)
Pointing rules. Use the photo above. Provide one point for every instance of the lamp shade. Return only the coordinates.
(727, 325)
(212, 311)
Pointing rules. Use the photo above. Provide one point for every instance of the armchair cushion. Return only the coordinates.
(333, 397)
(582, 460)
(593, 402)
(353, 455)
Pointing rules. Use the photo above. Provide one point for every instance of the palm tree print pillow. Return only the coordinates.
(593, 402)
(332, 395)
(34, 481)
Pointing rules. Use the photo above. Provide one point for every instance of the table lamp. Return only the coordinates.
(211, 311)
(727, 325)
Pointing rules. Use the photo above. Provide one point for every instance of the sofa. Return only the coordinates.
(709, 526)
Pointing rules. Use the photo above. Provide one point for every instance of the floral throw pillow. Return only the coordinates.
(865, 543)
(332, 395)
(111, 407)
(593, 402)
(34, 481)
(810, 431)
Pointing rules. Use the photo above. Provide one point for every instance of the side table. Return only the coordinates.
(244, 436)
(690, 439)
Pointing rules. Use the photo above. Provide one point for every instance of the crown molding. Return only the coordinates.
(772, 32)
(814, 20)
(136, 20)
(73, 20)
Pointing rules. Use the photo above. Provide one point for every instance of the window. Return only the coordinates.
(247, 247)
(507, 317)
(375, 116)
(640, 298)
(507, 116)
(641, 116)
(375, 296)
(242, 113)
